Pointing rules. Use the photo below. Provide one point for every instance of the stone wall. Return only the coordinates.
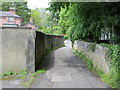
(18, 49)
(39, 48)
(23, 48)
(98, 56)
(44, 43)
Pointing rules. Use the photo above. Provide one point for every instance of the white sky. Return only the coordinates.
(32, 4)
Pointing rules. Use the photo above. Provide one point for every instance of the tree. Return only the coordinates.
(36, 18)
(86, 20)
(41, 18)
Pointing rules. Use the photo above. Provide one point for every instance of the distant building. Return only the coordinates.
(30, 24)
(9, 18)
(105, 35)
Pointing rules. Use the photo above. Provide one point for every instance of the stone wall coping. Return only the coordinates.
(27, 28)
(54, 35)
(40, 32)
(50, 34)
(16, 28)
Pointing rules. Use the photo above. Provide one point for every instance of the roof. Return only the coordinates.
(31, 24)
(8, 14)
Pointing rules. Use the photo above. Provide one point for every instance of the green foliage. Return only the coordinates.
(28, 80)
(112, 78)
(56, 6)
(66, 37)
(7, 74)
(21, 72)
(23, 75)
(86, 20)
(38, 72)
(113, 56)
(40, 18)
(21, 9)
(63, 22)
(36, 17)
(92, 47)
(115, 39)
(98, 71)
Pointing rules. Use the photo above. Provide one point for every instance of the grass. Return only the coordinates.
(9, 73)
(38, 72)
(23, 75)
(29, 80)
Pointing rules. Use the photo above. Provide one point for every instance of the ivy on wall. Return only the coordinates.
(92, 47)
(113, 56)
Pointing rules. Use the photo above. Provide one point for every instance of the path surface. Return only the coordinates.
(66, 70)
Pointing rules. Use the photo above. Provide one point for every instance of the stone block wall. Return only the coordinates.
(98, 56)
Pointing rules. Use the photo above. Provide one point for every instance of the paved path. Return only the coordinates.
(67, 70)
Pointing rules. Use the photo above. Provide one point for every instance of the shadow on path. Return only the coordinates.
(66, 70)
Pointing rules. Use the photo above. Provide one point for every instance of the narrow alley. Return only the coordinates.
(67, 70)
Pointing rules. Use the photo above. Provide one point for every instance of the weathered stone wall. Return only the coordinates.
(98, 56)
(54, 41)
(18, 49)
(49, 41)
(39, 48)
(45, 42)
(24, 48)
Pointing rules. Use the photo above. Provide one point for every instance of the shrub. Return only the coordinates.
(66, 37)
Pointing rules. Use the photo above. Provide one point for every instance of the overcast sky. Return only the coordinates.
(32, 4)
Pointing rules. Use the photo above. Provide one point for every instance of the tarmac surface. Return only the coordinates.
(64, 70)
(67, 70)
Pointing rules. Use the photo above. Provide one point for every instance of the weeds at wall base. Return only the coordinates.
(26, 79)
(110, 79)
